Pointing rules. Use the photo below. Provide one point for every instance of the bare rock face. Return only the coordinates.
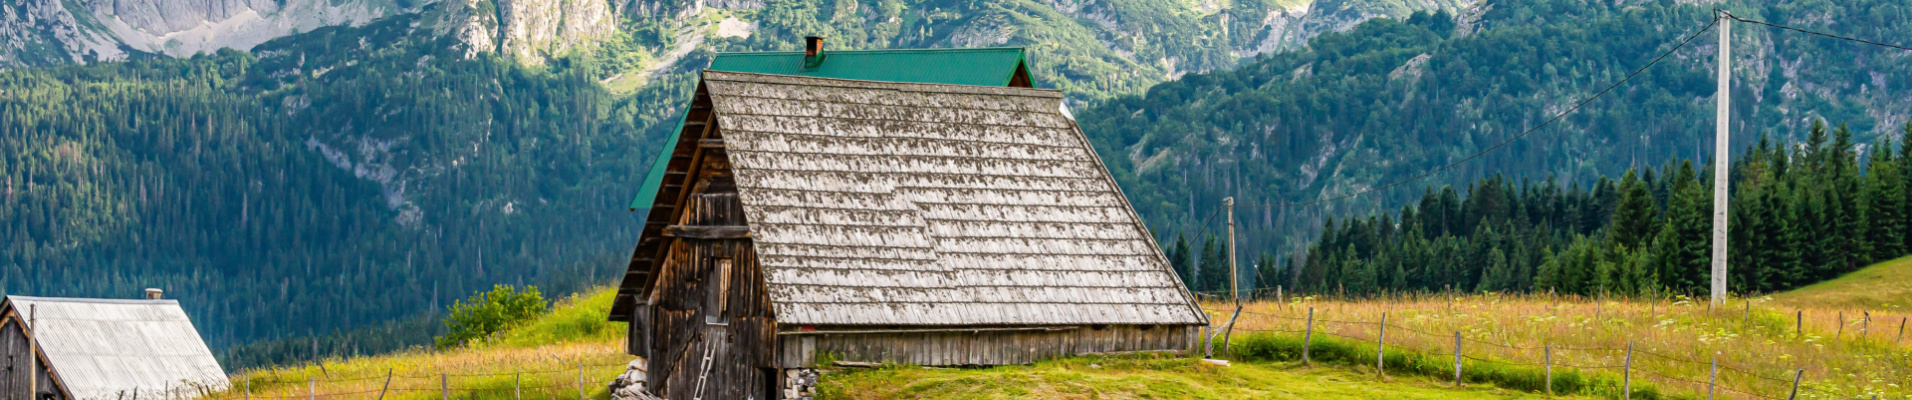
(536, 29)
(51, 32)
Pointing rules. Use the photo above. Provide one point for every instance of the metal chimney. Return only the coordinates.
(155, 294)
(812, 51)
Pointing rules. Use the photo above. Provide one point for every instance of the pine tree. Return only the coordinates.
(1885, 203)
(1179, 260)
(1633, 215)
(1214, 267)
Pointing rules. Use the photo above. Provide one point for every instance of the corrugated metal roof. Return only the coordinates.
(994, 66)
(106, 349)
(879, 203)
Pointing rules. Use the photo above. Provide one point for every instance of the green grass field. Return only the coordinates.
(1883, 286)
(1145, 377)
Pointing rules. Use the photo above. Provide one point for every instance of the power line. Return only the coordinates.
(1497, 146)
(1737, 18)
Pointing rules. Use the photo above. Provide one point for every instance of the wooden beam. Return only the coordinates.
(708, 231)
(710, 143)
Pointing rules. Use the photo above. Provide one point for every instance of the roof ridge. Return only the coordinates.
(10, 298)
(877, 51)
(779, 79)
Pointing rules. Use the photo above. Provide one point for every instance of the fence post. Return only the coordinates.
(1901, 338)
(388, 384)
(1712, 379)
(517, 385)
(580, 380)
(1307, 338)
(1457, 359)
(1842, 326)
(1279, 299)
(1549, 350)
(311, 388)
(1795, 390)
(1381, 348)
(1749, 311)
(444, 386)
(1626, 373)
(248, 388)
(1865, 328)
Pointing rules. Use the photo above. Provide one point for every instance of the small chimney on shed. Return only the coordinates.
(812, 51)
(155, 294)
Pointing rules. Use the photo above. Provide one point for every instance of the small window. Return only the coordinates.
(716, 303)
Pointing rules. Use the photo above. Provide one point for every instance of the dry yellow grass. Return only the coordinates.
(1883, 286)
(1674, 340)
(538, 360)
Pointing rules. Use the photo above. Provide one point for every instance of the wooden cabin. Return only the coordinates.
(90, 349)
(801, 218)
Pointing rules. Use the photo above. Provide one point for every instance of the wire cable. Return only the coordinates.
(1737, 18)
(1504, 143)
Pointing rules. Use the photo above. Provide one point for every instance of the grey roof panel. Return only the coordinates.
(107, 348)
(878, 203)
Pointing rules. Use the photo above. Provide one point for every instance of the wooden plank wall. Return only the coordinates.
(981, 347)
(13, 363)
(680, 333)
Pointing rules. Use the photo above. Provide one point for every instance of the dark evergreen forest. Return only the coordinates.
(1799, 213)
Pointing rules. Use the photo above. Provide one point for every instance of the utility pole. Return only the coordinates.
(1720, 154)
(1234, 278)
(33, 352)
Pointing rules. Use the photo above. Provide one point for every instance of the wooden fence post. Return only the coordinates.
(1307, 338)
(1901, 338)
(311, 388)
(1799, 323)
(1795, 389)
(1381, 348)
(388, 384)
(1865, 328)
(517, 385)
(580, 380)
(1749, 311)
(1457, 359)
(248, 388)
(1712, 379)
(1842, 326)
(1549, 350)
(1626, 373)
(444, 386)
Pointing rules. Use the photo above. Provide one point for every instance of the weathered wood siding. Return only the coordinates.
(13, 351)
(734, 325)
(983, 347)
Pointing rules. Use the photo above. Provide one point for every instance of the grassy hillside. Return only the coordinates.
(1757, 343)
(1141, 377)
(1882, 286)
(545, 355)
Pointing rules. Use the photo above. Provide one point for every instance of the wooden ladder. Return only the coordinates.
(703, 374)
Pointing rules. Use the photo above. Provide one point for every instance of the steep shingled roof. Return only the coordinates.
(995, 66)
(882, 203)
(106, 349)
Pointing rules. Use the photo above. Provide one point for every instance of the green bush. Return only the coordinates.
(485, 313)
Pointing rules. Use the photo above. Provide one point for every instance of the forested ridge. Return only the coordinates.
(1799, 212)
(1392, 99)
(349, 182)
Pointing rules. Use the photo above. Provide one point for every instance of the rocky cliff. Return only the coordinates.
(51, 32)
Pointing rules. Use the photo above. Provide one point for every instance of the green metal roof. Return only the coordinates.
(996, 66)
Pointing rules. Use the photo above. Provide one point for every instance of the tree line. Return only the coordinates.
(1800, 213)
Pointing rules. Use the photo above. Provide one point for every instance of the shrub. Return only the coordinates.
(485, 313)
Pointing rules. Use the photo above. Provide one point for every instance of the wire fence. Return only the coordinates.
(1712, 378)
(581, 379)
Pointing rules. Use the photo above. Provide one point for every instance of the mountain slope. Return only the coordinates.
(350, 175)
(1391, 99)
